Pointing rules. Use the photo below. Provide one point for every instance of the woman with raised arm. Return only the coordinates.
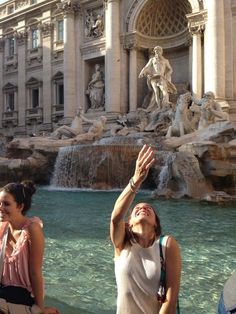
(137, 251)
(21, 253)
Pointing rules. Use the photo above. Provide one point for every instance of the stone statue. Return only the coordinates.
(181, 124)
(94, 27)
(65, 131)
(98, 27)
(95, 131)
(158, 72)
(89, 22)
(210, 110)
(96, 89)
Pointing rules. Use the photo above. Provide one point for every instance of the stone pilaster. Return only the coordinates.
(69, 8)
(214, 56)
(229, 58)
(112, 61)
(46, 31)
(1, 78)
(80, 75)
(21, 38)
(133, 80)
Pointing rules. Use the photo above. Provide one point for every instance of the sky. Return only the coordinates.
(2, 1)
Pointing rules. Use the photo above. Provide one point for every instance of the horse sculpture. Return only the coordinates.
(181, 124)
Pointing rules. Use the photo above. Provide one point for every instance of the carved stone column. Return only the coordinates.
(133, 80)
(197, 66)
(21, 37)
(215, 49)
(69, 9)
(196, 27)
(112, 60)
(46, 31)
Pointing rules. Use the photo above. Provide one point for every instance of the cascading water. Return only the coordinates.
(94, 166)
(165, 173)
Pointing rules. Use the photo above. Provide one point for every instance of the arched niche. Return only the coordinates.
(164, 23)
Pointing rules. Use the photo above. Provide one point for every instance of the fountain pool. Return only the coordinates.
(78, 267)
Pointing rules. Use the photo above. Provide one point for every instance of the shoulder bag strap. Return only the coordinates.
(163, 269)
(2, 250)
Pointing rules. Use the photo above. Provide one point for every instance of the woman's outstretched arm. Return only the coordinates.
(117, 226)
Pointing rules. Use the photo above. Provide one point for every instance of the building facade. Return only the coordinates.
(50, 51)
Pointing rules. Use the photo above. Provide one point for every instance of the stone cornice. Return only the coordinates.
(197, 21)
(25, 10)
(96, 47)
(137, 40)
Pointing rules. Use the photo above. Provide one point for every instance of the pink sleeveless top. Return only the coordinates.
(16, 265)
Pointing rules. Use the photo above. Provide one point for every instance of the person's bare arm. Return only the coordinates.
(36, 251)
(117, 226)
(173, 275)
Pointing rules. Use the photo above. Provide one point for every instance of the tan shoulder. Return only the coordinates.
(34, 225)
(171, 242)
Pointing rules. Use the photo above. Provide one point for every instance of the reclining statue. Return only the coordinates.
(210, 110)
(65, 131)
(76, 129)
(95, 131)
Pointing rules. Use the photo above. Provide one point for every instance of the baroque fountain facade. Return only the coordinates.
(84, 75)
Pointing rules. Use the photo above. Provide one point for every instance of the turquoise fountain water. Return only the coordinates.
(78, 265)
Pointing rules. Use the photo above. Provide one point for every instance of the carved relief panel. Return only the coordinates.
(94, 23)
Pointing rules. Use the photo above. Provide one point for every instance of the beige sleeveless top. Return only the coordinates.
(137, 272)
(229, 293)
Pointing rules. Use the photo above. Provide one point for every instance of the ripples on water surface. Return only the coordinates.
(78, 266)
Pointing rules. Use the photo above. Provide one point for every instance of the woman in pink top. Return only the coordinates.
(21, 274)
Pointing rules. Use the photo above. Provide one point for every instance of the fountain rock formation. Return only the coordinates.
(199, 165)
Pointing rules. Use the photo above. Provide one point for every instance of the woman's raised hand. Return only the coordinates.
(145, 160)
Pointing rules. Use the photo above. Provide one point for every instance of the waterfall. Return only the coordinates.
(165, 173)
(94, 166)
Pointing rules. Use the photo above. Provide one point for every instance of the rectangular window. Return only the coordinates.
(60, 94)
(35, 38)
(10, 101)
(60, 30)
(11, 43)
(35, 97)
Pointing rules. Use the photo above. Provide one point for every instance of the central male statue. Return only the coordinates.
(158, 72)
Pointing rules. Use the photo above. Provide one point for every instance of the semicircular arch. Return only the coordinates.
(138, 5)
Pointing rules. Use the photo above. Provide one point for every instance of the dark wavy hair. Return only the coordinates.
(128, 232)
(22, 193)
